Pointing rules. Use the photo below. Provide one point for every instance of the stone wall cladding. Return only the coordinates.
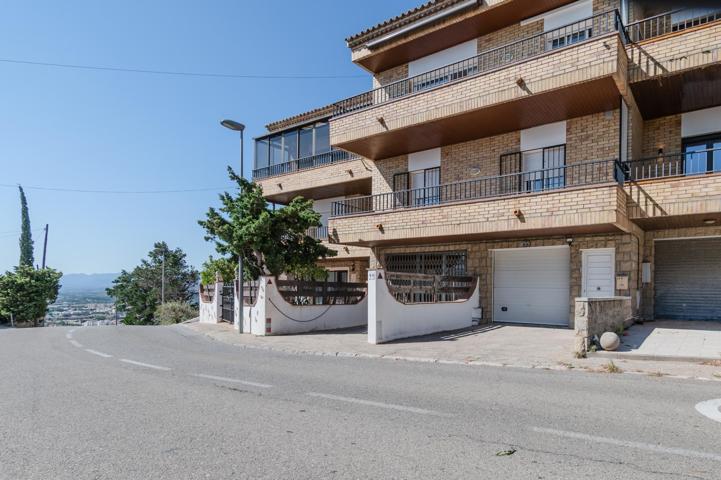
(579, 63)
(479, 260)
(599, 205)
(596, 316)
(691, 195)
(316, 177)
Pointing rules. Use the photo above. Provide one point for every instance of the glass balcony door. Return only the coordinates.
(702, 155)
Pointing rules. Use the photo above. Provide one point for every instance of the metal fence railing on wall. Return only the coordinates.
(302, 292)
(413, 288)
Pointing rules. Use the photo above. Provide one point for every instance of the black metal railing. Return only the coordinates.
(303, 292)
(318, 233)
(670, 22)
(328, 158)
(565, 176)
(410, 288)
(696, 162)
(488, 61)
(228, 303)
(250, 291)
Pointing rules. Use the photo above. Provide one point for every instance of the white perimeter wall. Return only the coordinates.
(389, 319)
(210, 312)
(273, 312)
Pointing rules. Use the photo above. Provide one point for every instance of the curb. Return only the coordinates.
(655, 358)
(439, 361)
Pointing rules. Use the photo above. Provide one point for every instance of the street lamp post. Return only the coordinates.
(239, 127)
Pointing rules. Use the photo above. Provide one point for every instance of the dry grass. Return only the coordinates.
(611, 367)
(712, 363)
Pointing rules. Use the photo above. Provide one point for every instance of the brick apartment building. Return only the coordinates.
(553, 149)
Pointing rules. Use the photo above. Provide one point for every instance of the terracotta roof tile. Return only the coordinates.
(301, 118)
(403, 19)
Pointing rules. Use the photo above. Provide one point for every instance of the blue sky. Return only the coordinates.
(99, 130)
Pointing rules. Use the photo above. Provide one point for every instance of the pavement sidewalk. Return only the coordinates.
(487, 345)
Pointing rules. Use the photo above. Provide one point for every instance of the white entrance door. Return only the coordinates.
(598, 272)
(532, 285)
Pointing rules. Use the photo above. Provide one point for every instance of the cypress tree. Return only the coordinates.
(26, 238)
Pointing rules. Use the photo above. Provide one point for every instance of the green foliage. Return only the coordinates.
(270, 242)
(213, 266)
(25, 293)
(174, 312)
(138, 292)
(26, 239)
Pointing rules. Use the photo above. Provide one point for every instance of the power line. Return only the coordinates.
(120, 192)
(182, 74)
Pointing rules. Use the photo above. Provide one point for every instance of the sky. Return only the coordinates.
(79, 129)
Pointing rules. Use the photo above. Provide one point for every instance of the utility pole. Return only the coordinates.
(162, 283)
(239, 127)
(45, 244)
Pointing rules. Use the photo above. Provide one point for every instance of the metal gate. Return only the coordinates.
(228, 303)
(687, 276)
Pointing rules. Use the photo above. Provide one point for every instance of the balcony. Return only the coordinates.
(678, 190)
(676, 56)
(575, 198)
(330, 174)
(343, 252)
(570, 71)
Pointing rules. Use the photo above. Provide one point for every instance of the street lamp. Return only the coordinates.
(239, 127)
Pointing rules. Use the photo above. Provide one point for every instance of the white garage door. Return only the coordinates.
(532, 285)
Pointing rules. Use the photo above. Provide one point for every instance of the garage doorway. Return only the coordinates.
(532, 285)
(687, 276)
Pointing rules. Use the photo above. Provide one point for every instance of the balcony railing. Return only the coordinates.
(669, 22)
(319, 233)
(674, 164)
(566, 176)
(328, 158)
(488, 61)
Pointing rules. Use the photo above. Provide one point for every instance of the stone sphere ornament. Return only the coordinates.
(610, 341)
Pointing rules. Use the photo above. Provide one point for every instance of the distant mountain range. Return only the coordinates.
(82, 282)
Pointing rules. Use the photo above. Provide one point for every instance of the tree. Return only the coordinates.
(217, 266)
(270, 242)
(26, 238)
(139, 292)
(174, 312)
(26, 293)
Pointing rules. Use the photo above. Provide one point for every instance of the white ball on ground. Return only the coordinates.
(610, 341)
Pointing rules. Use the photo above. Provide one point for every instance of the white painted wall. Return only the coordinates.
(389, 319)
(565, 15)
(548, 135)
(323, 207)
(701, 122)
(425, 159)
(210, 312)
(445, 57)
(271, 310)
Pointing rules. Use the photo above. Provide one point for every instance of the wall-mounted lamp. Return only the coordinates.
(569, 240)
(660, 151)
(709, 221)
(380, 227)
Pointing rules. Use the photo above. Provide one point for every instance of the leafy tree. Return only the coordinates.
(213, 266)
(26, 239)
(271, 242)
(25, 293)
(174, 312)
(139, 292)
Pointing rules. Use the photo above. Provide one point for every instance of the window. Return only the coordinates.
(441, 263)
(276, 150)
(702, 154)
(339, 276)
(306, 142)
(563, 38)
(538, 170)
(290, 146)
(417, 188)
(262, 153)
(322, 138)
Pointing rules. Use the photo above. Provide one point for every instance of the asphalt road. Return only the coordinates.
(165, 403)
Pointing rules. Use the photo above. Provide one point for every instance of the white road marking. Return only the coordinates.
(69, 335)
(371, 403)
(146, 365)
(628, 444)
(233, 380)
(710, 409)
(76, 343)
(99, 354)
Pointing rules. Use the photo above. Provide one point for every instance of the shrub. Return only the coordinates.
(174, 312)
